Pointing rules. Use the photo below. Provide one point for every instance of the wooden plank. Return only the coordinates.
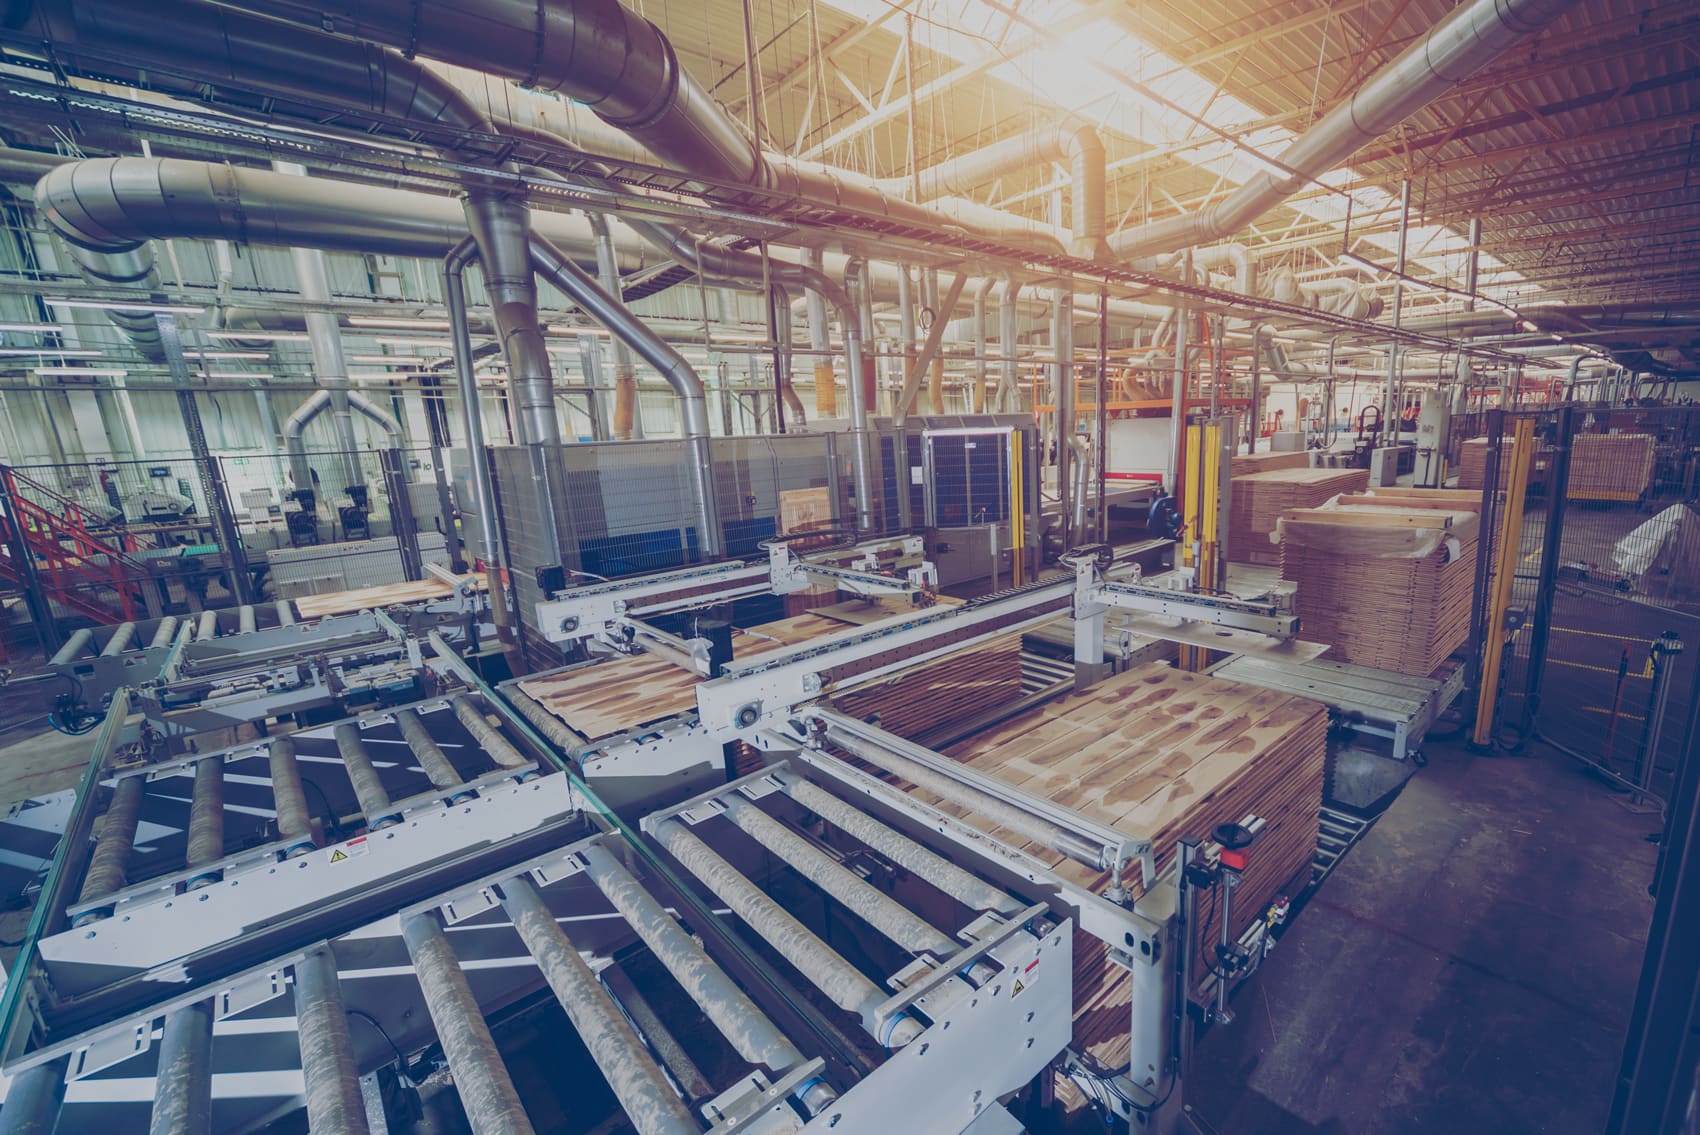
(383, 595)
(1377, 518)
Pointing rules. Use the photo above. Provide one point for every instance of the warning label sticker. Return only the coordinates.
(342, 853)
(1026, 978)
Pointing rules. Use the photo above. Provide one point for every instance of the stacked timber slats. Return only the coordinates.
(1245, 464)
(1257, 500)
(1159, 753)
(1610, 467)
(371, 598)
(1472, 464)
(1385, 579)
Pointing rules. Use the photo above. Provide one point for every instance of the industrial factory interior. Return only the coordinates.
(884, 567)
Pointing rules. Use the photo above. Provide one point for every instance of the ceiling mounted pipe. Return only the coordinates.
(1472, 36)
(553, 266)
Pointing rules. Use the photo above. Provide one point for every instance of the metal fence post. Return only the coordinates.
(1484, 547)
(1558, 483)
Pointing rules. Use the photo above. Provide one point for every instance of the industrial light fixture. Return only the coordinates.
(736, 337)
(238, 374)
(39, 352)
(1528, 325)
(32, 328)
(387, 360)
(574, 329)
(437, 344)
(222, 355)
(79, 372)
(259, 336)
(106, 305)
(396, 321)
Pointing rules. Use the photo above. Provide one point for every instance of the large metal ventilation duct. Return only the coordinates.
(596, 52)
(1078, 145)
(272, 58)
(1472, 36)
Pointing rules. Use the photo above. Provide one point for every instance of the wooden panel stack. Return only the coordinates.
(1245, 464)
(1385, 579)
(1257, 500)
(1472, 464)
(1161, 753)
(371, 598)
(1610, 467)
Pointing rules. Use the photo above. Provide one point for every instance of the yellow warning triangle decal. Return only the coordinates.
(338, 855)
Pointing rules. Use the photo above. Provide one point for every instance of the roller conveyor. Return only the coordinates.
(558, 927)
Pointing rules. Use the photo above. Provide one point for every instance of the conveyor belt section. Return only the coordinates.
(1398, 707)
(970, 1016)
(193, 854)
(101, 659)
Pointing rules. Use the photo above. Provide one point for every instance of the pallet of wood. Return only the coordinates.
(1472, 464)
(1386, 578)
(1245, 464)
(1257, 500)
(1610, 467)
(1158, 753)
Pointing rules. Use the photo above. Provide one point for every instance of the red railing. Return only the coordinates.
(76, 566)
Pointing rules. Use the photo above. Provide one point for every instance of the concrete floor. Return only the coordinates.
(1469, 967)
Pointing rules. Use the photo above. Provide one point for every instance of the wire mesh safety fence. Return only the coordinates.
(1606, 588)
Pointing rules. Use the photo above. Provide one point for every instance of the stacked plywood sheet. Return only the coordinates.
(1610, 467)
(1160, 753)
(369, 598)
(1245, 464)
(1257, 500)
(1386, 579)
(1472, 464)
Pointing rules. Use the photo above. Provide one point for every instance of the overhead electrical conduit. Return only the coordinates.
(1454, 49)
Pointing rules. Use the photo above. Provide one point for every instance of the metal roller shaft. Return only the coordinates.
(492, 1105)
(34, 1099)
(206, 820)
(294, 822)
(368, 787)
(966, 888)
(501, 750)
(866, 901)
(163, 633)
(111, 857)
(650, 1103)
(999, 812)
(842, 983)
(431, 757)
(120, 640)
(547, 723)
(728, 1007)
(334, 1102)
(245, 618)
(208, 626)
(285, 613)
(73, 648)
(182, 1102)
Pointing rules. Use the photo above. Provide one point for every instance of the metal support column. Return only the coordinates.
(402, 525)
(1552, 537)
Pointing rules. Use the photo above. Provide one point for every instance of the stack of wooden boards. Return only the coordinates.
(1472, 464)
(1257, 500)
(1610, 467)
(626, 693)
(1159, 753)
(1385, 579)
(1245, 464)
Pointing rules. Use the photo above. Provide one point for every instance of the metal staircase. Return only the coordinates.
(88, 573)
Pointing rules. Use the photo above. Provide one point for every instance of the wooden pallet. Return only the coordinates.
(370, 598)
(1472, 464)
(1257, 500)
(1161, 753)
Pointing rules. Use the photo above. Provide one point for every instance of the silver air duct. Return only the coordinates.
(1454, 49)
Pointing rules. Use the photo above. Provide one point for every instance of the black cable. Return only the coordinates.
(330, 812)
(400, 1057)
